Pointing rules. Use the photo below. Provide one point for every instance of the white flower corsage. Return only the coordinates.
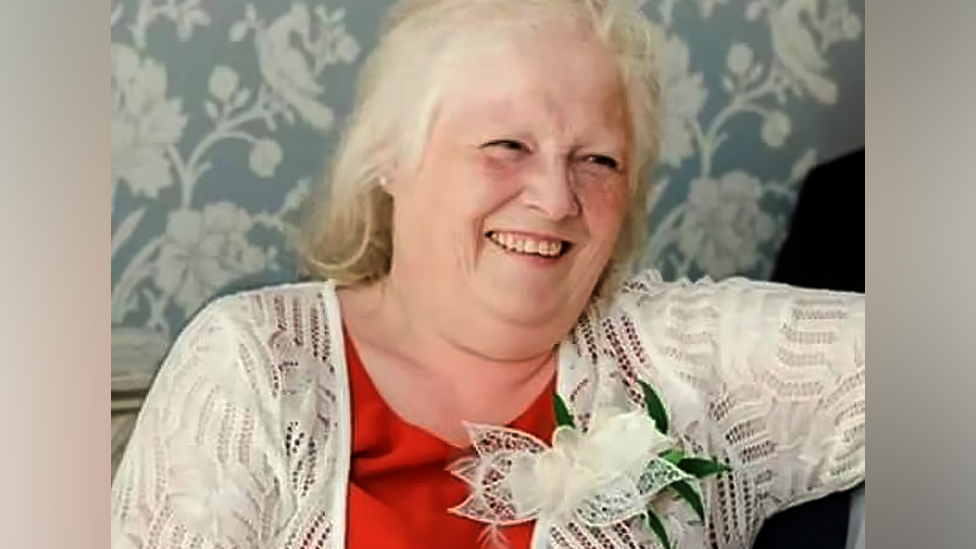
(598, 478)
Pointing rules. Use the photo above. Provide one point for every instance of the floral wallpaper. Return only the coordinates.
(224, 113)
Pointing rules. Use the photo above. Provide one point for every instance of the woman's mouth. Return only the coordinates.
(524, 244)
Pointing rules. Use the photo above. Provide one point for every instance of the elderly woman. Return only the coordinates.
(474, 368)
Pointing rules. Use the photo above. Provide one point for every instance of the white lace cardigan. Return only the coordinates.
(244, 439)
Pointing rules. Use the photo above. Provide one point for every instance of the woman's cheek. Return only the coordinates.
(605, 202)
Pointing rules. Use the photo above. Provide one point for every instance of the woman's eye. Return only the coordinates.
(603, 160)
(507, 144)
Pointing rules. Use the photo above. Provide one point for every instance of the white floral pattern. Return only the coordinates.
(683, 98)
(205, 250)
(145, 123)
(222, 113)
(723, 222)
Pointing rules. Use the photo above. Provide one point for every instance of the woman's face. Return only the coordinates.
(515, 207)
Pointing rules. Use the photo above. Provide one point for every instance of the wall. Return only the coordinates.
(223, 114)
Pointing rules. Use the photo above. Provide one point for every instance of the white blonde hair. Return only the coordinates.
(347, 236)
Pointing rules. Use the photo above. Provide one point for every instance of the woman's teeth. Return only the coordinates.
(522, 244)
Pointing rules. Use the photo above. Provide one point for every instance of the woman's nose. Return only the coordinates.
(550, 190)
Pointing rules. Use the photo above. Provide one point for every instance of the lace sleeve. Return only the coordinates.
(198, 471)
(792, 407)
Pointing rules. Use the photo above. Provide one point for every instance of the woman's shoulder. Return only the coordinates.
(649, 287)
(648, 303)
(284, 323)
(277, 306)
(261, 346)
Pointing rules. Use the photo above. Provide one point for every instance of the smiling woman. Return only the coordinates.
(471, 304)
(513, 150)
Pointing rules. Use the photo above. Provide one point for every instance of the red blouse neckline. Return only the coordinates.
(399, 488)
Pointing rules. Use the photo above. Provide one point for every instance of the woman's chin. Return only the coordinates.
(530, 308)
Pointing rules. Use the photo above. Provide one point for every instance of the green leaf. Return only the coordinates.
(655, 407)
(655, 524)
(688, 493)
(701, 468)
(673, 456)
(563, 417)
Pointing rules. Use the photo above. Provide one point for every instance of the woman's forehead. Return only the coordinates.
(552, 53)
(518, 79)
(506, 107)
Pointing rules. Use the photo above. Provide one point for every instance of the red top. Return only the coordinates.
(399, 488)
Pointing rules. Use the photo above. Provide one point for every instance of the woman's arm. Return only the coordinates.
(199, 470)
(795, 361)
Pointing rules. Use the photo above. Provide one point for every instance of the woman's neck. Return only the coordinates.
(404, 330)
(406, 355)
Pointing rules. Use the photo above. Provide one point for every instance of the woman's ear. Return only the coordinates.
(391, 180)
(388, 184)
(394, 174)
